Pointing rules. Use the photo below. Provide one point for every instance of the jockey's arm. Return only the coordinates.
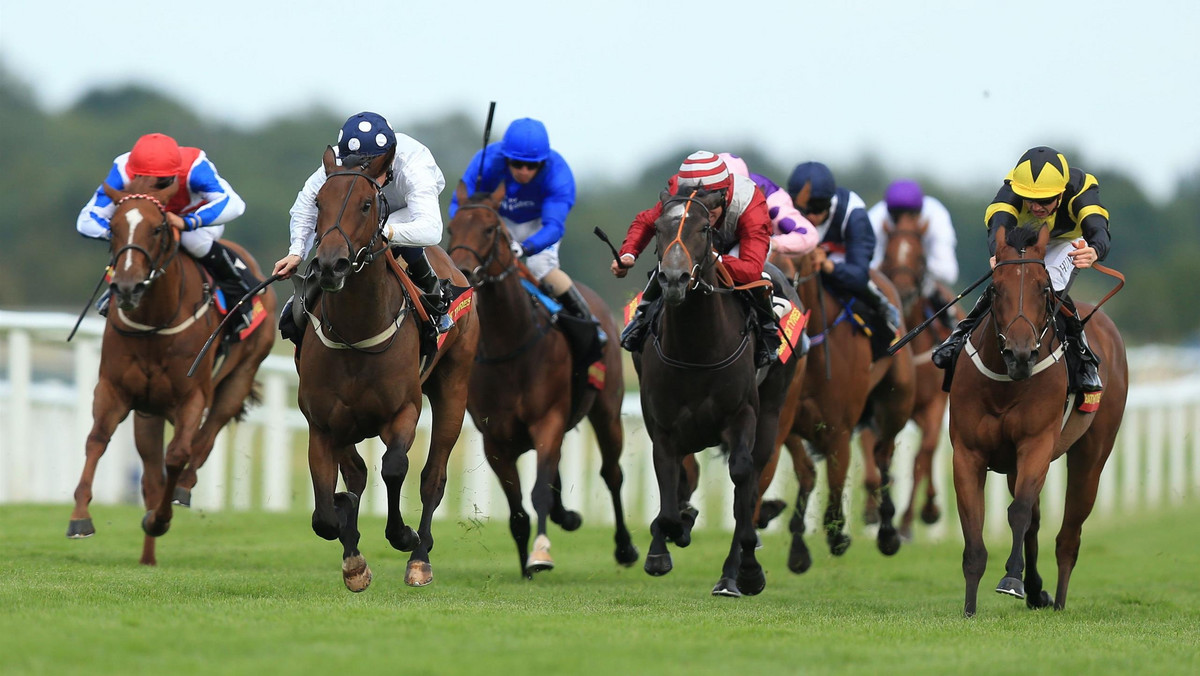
(641, 231)
(220, 205)
(554, 216)
(420, 180)
(303, 223)
(754, 238)
(855, 271)
(93, 218)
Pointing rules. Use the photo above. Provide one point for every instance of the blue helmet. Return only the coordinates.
(366, 134)
(526, 139)
(819, 175)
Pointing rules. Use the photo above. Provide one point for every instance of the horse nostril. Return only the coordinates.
(341, 267)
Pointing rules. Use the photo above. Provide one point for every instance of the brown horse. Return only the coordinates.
(699, 390)
(839, 382)
(162, 314)
(523, 392)
(1010, 413)
(904, 264)
(360, 375)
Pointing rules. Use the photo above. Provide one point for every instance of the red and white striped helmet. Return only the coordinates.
(706, 170)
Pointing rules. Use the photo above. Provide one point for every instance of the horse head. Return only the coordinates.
(1022, 303)
(684, 234)
(349, 216)
(904, 257)
(142, 242)
(480, 245)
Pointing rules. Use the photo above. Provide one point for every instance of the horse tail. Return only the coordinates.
(251, 400)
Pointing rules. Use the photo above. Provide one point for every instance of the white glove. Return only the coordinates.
(517, 249)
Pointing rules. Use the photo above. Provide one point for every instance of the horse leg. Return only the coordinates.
(837, 465)
(448, 401)
(567, 519)
(739, 439)
(689, 478)
(108, 410)
(750, 577)
(187, 422)
(767, 510)
(1085, 461)
(799, 558)
(1035, 595)
(335, 516)
(610, 437)
(868, 441)
(547, 435)
(504, 464)
(148, 439)
(668, 525)
(229, 401)
(1031, 474)
(929, 421)
(398, 438)
(970, 473)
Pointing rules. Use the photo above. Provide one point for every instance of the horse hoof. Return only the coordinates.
(356, 573)
(888, 541)
(1011, 586)
(539, 558)
(658, 564)
(419, 574)
(78, 529)
(182, 497)
(406, 541)
(906, 533)
(838, 544)
(569, 521)
(626, 554)
(799, 561)
(751, 582)
(154, 528)
(768, 511)
(757, 542)
(1039, 600)
(871, 516)
(727, 588)
(930, 514)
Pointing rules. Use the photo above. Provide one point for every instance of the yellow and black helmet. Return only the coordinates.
(1041, 173)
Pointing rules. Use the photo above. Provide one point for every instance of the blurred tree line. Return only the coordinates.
(51, 163)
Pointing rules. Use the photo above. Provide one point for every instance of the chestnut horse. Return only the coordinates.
(523, 392)
(699, 390)
(360, 375)
(840, 379)
(904, 264)
(1010, 413)
(162, 314)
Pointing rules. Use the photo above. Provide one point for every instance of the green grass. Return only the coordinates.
(259, 593)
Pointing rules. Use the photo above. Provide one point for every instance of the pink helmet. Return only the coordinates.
(736, 164)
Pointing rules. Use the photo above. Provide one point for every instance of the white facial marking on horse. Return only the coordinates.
(134, 217)
(903, 253)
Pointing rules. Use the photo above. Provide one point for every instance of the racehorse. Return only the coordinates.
(360, 375)
(523, 393)
(699, 389)
(904, 264)
(840, 380)
(161, 317)
(1010, 413)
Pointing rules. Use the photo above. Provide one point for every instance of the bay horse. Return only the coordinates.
(523, 393)
(1010, 413)
(840, 380)
(162, 315)
(699, 390)
(360, 374)
(904, 264)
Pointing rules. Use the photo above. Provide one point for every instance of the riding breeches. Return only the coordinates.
(198, 242)
(1058, 263)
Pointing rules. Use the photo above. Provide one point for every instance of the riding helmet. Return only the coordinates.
(1040, 173)
(154, 155)
(526, 140)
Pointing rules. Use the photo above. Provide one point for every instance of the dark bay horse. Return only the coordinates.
(905, 265)
(162, 315)
(523, 394)
(360, 375)
(699, 390)
(840, 380)
(1009, 413)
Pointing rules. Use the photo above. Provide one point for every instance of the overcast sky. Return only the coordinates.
(952, 89)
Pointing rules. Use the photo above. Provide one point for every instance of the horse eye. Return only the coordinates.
(366, 206)
(490, 230)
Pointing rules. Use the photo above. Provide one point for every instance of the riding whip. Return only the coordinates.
(925, 324)
(88, 304)
(487, 134)
(232, 311)
(604, 238)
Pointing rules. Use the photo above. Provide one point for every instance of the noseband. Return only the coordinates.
(1021, 305)
(364, 255)
(697, 269)
(493, 251)
(168, 248)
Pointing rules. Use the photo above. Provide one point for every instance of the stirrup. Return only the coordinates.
(441, 322)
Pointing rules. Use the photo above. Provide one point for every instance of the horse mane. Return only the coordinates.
(1022, 237)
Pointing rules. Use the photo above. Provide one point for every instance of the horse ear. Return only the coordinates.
(664, 195)
(923, 226)
(497, 195)
(1001, 239)
(329, 160)
(460, 193)
(888, 226)
(380, 165)
(1043, 237)
(800, 201)
(113, 194)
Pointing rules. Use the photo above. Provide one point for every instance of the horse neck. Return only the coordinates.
(687, 330)
(811, 295)
(505, 315)
(370, 299)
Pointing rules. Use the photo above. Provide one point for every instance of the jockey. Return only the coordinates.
(939, 241)
(411, 186)
(742, 237)
(847, 243)
(201, 207)
(792, 234)
(539, 191)
(1042, 188)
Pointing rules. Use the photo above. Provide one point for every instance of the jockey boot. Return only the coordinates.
(287, 324)
(1080, 356)
(574, 303)
(886, 325)
(435, 293)
(234, 279)
(634, 334)
(766, 348)
(945, 354)
(102, 304)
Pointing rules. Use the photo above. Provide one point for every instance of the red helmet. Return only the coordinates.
(154, 155)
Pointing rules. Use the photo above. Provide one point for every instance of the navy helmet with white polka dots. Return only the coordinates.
(366, 135)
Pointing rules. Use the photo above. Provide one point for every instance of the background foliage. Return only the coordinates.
(53, 161)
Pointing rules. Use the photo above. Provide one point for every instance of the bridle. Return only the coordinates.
(697, 269)
(168, 247)
(1041, 334)
(477, 276)
(367, 253)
